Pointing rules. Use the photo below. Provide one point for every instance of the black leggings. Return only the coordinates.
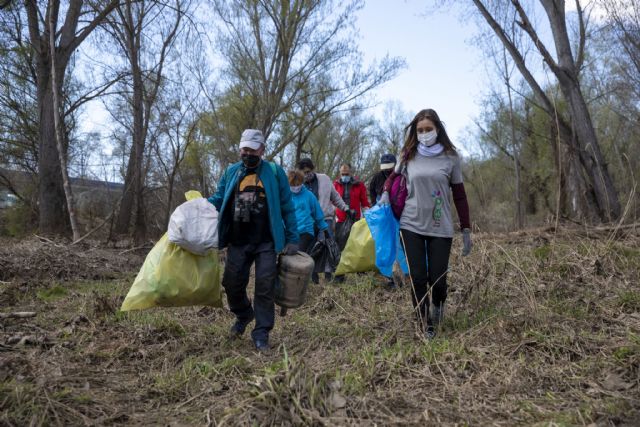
(428, 259)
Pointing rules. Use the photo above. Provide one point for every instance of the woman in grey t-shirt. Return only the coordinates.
(431, 166)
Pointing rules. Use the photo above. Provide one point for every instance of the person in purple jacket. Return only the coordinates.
(431, 166)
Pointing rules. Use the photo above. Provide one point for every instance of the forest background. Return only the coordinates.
(556, 138)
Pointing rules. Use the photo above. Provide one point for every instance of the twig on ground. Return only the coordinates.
(18, 315)
(191, 399)
(44, 239)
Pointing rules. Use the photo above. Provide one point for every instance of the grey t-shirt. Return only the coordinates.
(427, 210)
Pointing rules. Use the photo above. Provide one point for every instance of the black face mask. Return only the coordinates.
(250, 160)
(309, 176)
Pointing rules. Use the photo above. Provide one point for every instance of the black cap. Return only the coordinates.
(387, 158)
(305, 163)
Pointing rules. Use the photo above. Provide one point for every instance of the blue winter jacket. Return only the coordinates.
(308, 212)
(281, 209)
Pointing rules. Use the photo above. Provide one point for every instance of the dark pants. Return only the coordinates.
(428, 259)
(236, 279)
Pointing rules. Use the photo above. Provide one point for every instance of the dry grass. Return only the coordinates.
(541, 329)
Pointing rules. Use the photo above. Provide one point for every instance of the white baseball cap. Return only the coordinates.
(251, 138)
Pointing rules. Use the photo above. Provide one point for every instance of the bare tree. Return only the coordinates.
(294, 64)
(514, 144)
(588, 178)
(390, 129)
(178, 113)
(145, 31)
(624, 18)
(59, 137)
(71, 34)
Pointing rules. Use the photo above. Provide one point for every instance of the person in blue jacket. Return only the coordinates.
(256, 221)
(308, 212)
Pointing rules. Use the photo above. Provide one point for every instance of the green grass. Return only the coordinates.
(542, 252)
(526, 345)
(52, 294)
(629, 300)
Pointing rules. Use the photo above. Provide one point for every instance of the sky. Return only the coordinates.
(444, 70)
(442, 67)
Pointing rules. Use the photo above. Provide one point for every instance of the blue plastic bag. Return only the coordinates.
(400, 256)
(384, 229)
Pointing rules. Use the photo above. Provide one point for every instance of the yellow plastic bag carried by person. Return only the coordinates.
(359, 253)
(174, 277)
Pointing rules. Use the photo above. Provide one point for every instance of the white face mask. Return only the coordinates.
(428, 138)
(295, 188)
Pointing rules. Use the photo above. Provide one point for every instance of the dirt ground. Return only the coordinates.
(542, 328)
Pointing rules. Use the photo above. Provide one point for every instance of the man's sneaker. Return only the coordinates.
(430, 332)
(262, 346)
(437, 314)
(237, 329)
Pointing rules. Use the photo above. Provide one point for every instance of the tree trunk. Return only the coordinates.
(58, 137)
(140, 231)
(123, 218)
(299, 145)
(515, 148)
(590, 156)
(576, 197)
(53, 218)
(133, 183)
(567, 72)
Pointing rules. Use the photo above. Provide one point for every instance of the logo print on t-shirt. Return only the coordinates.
(437, 207)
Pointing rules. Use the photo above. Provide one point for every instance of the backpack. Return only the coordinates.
(398, 194)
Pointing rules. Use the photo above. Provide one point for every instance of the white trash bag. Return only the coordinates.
(194, 226)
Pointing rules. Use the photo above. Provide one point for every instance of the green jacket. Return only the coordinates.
(280, 205)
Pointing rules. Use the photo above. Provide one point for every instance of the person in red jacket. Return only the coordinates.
(353, 192)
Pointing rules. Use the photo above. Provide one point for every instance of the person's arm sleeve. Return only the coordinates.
(217, 197)
(364, 202)
(318, 215)
(287, 208)
(456, 171)
(389, 181)
(337, 200)
(462, 205)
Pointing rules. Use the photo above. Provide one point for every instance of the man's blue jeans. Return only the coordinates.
(236, 278)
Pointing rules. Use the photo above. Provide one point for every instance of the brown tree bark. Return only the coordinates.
(53, 218)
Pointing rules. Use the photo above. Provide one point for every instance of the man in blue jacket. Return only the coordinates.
(256, 221)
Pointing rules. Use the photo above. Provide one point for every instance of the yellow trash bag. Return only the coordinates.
(174, 277)
(359, 253)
